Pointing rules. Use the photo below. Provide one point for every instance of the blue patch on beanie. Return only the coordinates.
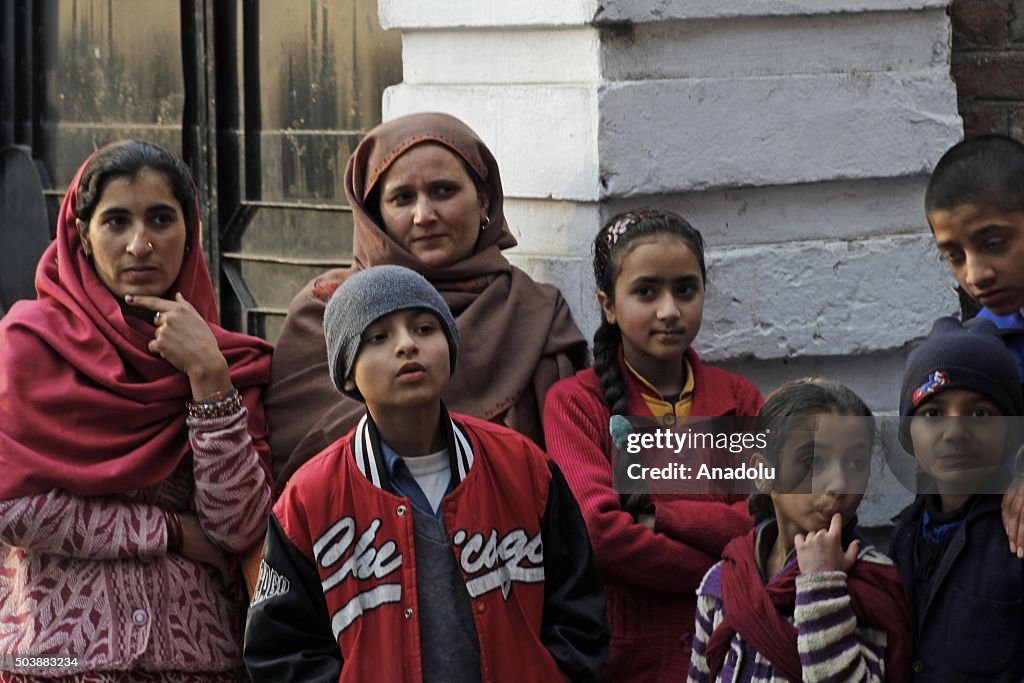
(935, 381)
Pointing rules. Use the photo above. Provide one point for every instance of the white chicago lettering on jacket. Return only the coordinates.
(365, 561)
(497, 562)
(270, 585)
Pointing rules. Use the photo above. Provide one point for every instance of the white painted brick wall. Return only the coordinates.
(527, 56)
(773, 45)
(418, 15)
(822, 298)
(665, 136)
(640, 11)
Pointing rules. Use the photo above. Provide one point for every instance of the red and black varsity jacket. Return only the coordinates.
(336, 598)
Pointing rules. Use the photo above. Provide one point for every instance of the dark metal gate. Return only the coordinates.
(264, 99)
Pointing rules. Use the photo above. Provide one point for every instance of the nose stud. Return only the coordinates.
(150, 245)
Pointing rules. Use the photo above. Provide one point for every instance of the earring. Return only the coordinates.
(485, 222)
(85, 241)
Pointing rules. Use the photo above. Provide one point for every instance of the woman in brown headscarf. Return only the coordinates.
(426, 194)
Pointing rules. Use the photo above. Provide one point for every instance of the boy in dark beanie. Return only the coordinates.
(423, 545)
(959, 414)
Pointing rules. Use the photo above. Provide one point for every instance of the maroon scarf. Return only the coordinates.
(84, 405)
(755, 610)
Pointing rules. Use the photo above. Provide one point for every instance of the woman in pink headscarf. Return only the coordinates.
(132, 442)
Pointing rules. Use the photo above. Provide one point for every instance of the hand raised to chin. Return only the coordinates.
(822, 550)
(184, 339)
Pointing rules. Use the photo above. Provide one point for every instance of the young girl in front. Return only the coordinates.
(802, 597)
(652, 550)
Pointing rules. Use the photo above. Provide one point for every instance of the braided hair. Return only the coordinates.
(613, 243)
(800, 398)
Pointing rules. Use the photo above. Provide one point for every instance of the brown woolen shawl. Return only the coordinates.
(518, 337)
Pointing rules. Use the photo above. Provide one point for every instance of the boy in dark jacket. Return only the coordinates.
(959, 406)
(423, 545)
(975, 207)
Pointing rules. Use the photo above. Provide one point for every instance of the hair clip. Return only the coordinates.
(618, 229)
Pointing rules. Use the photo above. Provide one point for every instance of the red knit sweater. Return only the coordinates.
(650, 576)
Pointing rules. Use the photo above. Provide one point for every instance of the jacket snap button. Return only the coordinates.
(401, 510)
(408, 612)
(140, 617)
(481, 607)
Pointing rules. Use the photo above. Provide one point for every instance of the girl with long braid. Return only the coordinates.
(652, 550)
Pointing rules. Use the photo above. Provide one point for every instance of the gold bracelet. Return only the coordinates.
(229, 405)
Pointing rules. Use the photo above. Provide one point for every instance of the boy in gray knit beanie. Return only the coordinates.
(455, 536)
(366, 297)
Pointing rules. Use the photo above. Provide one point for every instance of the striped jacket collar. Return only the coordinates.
(369, 456)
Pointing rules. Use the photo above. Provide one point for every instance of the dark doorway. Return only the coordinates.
(264, 100)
